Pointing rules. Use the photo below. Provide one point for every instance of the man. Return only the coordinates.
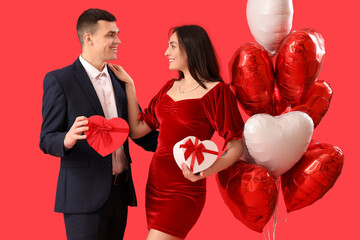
(93, 192)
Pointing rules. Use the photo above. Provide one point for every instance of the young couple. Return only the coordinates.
(94, 192)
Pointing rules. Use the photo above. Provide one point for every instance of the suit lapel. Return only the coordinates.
(120, 97)
(86, 84)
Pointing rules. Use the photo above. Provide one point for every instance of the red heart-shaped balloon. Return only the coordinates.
(280, 105)
(312, 176)
(298, 63)
(252, 78)
(250, 193)
(316, 101)
(105, 136)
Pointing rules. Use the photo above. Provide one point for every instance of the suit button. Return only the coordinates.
(109, 164)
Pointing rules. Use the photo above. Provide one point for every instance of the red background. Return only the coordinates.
(39, 36)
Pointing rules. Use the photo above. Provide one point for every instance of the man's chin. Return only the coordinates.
(112, 58)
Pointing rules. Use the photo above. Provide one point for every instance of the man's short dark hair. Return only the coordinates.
(87, 22)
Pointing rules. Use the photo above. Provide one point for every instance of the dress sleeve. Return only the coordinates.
(149, 114)
(222, 112)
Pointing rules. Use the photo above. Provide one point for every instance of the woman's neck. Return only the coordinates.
(188, 79)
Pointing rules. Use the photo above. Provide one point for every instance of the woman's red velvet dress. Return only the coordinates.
(173, 203)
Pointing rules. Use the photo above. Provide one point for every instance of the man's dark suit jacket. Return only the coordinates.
(85, 177)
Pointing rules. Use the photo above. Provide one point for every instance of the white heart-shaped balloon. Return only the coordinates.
(269, 21)
(210, 154)
(277, 143)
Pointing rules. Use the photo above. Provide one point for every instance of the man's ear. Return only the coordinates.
(87, 39)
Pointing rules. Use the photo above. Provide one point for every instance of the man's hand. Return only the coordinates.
(75, 132)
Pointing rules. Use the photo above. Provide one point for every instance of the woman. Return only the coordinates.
(196, 104)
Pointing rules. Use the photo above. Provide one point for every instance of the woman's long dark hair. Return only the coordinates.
(202, 61)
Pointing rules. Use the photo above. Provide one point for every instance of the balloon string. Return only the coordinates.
(275, 220)
(275, 217)
(268, 233)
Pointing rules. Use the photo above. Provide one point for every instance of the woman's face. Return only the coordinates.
(177, 57)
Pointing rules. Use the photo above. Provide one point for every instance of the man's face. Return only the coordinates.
(105, 41)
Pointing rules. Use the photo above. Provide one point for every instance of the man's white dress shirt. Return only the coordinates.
(105, 92)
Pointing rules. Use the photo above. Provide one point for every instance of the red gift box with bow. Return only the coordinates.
(105, 136)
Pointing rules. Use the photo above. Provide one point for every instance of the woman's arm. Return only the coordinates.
(138, 128)
(229, 157)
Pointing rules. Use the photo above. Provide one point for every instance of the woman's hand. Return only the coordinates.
(121, 74)
(191, 176)
(229, 157)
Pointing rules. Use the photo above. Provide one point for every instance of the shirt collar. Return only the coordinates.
(91, 70)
